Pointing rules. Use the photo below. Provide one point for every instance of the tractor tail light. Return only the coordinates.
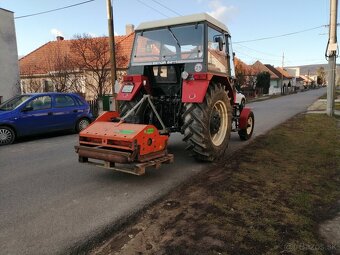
(128, 78)
(200, 76)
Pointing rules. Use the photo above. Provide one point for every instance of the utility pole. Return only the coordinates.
(283, 59)
(332, 54)
(112, 50)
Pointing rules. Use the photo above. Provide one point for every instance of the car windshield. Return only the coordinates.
(181, 44)
(13, 102)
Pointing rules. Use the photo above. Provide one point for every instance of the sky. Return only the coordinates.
(247, 20)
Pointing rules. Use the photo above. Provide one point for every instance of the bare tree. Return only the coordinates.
(321, 75)
(62, 70)
(245, 74)
(30, 83)
(93, 57)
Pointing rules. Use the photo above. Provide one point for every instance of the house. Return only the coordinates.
(294, 71)
(246, 78)
(9, 69)
(284, 81)
(245, 74)
(299, 83)
(308, 81)
(274, 77)
(59, 65)
(287, 80)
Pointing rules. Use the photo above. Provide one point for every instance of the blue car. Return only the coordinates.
(32, 114)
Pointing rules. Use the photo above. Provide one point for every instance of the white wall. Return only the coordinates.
(274, 87)
(294, 71)
(9, 64)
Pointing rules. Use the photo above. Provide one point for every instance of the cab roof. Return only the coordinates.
(182, 20)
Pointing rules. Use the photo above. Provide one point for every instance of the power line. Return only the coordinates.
(265, 53)
(283, 35)
(168, 8)
(256, 58)
(53, 10)
(149, 6)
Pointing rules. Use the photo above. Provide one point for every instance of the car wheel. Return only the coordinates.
(82, 124)
(7, 135)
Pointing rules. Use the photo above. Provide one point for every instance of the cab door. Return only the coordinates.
(230, 55)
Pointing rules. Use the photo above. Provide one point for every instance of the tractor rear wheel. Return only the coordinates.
(207, 125)
(126, 106)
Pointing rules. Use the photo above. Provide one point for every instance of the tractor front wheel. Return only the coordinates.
(247, 132)
(207, 125)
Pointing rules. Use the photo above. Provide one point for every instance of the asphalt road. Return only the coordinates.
(50, 203)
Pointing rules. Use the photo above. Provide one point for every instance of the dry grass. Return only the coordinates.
(268, 199)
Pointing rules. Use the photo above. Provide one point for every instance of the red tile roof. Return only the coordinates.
(36, 62)
(259, 67)
(274, 70)
(285, 74)
(242, 67)
(281, 73)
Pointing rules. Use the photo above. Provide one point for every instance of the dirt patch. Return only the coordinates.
(269, 199)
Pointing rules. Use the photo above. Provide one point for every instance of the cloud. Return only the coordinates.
(56, 32)
(219, 11)
(92, 34)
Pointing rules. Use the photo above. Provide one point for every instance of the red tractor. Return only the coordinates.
(181, 79)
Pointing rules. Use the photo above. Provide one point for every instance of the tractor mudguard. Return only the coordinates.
(135, 83)
(244, 118)
(194, 90)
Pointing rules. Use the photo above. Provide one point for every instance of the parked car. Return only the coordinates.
(32, 114)
(240, 99)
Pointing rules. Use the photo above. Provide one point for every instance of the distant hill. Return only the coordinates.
(311, 69)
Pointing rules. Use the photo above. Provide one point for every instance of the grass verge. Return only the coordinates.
(337, 94)
(268, 199)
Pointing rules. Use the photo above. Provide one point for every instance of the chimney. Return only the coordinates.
(129, 28)
(60, 38)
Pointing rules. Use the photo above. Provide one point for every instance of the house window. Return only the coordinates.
(48, 86)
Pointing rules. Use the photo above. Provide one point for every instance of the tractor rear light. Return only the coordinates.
(200, 76)
(128, 78)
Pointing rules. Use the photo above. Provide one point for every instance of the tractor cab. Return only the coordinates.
(173, 50)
